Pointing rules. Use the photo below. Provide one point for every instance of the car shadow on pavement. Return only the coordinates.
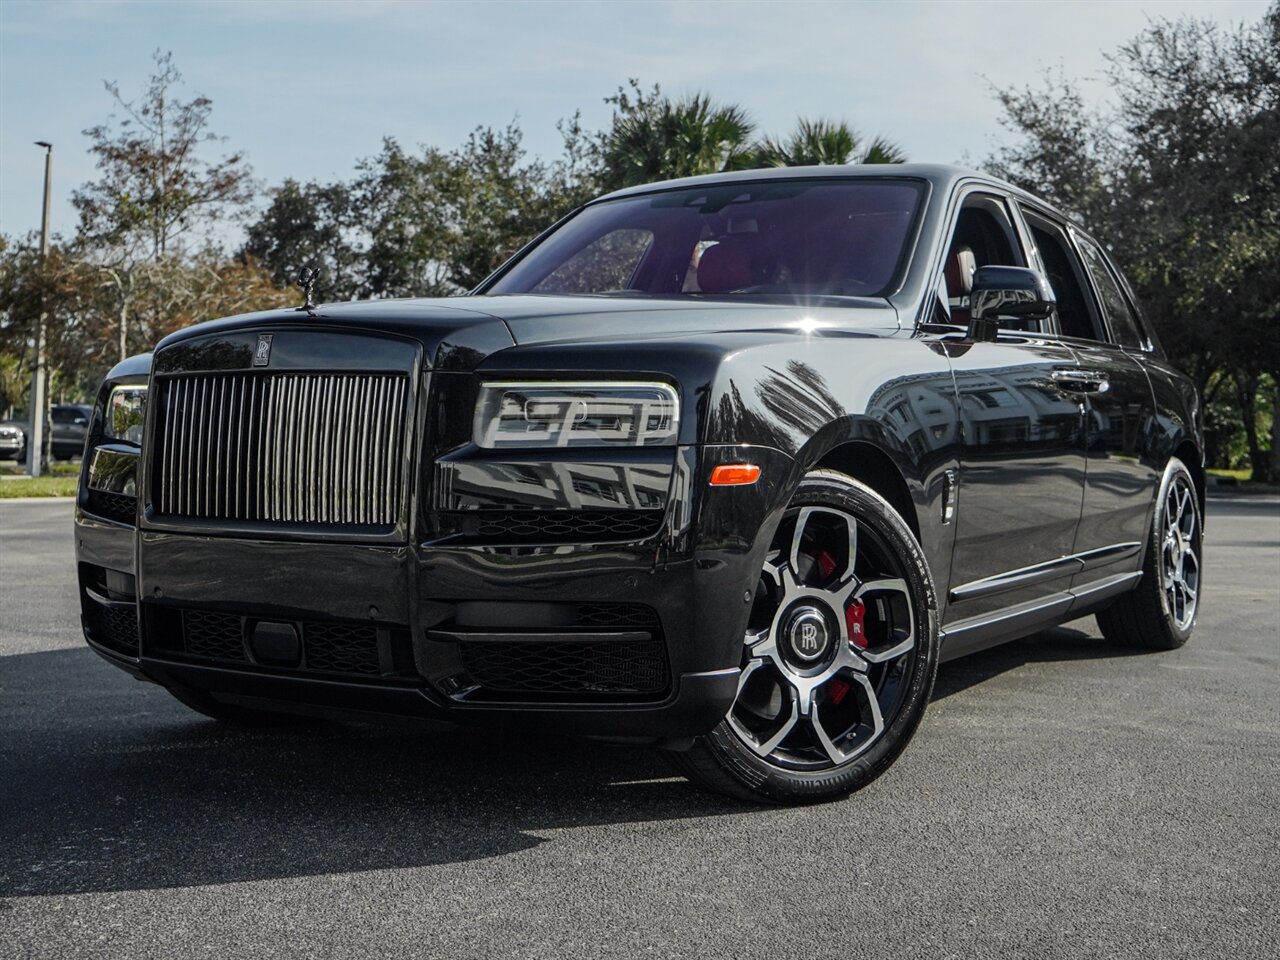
(110, 785)
(1057, 645)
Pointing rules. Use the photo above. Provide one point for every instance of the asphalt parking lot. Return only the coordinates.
(1064, 798)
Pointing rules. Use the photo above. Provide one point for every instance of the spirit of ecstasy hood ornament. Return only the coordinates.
(307, 281)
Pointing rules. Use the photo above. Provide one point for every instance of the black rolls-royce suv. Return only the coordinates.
(726, 464)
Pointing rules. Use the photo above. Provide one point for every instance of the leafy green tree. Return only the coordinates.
(154, 188)
(69, 292)
(310, 225)
(653, 137)
(823, 142)
(155, 184)
(405, 202)
(438, 222)
(1179, 175)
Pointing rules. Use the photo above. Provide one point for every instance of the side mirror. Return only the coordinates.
(1007, 293)
(80, 422)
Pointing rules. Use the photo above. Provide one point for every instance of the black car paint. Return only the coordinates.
(871, 387)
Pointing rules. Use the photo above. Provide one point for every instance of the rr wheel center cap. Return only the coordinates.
(808, 635)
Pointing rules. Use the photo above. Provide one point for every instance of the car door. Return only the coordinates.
(1116, 394)
(1022, 462)
(1120, 476)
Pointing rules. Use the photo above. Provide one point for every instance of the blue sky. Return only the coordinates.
(306, 89)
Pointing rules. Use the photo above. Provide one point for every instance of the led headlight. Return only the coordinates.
(126, 411)
(576, 415)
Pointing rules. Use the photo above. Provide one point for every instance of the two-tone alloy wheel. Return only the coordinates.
(839, 654)
(1160, 613)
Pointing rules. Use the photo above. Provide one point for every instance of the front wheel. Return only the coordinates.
(839, 655)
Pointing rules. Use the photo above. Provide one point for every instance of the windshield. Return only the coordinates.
(797, 237)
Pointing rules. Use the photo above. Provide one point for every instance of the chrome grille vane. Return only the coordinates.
(301, 448)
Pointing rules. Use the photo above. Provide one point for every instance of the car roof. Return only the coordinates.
(942, 175)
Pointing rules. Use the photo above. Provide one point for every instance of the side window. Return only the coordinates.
(1124, 325)
(983, 236)
(1066, 275)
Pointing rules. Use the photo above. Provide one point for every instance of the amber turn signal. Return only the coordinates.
(734, 474)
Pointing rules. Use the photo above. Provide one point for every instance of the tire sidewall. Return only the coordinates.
(1155, 566)
(825, 488)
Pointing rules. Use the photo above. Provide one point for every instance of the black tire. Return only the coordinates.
(1160, 612)
(234, 714)
(797, 771)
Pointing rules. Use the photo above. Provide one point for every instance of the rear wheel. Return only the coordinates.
(839, 655)
(1160, 613)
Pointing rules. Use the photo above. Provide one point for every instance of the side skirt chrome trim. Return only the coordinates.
(1092, 594)
(977, 633)
(1022, 577)
(1105, 555)
(1041, 572)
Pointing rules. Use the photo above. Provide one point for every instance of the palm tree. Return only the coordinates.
(818, 142)
(657, 138)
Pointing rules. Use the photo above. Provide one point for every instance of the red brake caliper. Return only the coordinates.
(826, 564)
(839, 688)
(854, 615)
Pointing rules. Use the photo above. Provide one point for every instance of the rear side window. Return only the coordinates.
(1066, 275)
(1124, 325)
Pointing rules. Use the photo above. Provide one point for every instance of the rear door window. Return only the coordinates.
(1124, 324)
(1066, 275)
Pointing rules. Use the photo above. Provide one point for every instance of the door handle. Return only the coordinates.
(1074, 380)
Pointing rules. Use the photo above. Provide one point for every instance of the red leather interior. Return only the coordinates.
(726, 266)
(959, 268)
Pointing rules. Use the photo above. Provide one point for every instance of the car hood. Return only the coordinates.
(460, 332)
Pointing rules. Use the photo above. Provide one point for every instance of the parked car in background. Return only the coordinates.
(13, 440)
(69, 425)
(727, 465)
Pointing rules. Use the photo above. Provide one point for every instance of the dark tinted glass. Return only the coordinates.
(782, 238)
(1065, 275)
(1123, 323)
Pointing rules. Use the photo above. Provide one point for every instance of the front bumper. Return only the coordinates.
(695, 575)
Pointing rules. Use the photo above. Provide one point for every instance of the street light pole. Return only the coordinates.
(36, 454)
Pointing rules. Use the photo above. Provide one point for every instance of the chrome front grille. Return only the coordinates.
(302, 448)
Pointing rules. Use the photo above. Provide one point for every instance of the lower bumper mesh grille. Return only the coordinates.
(327, 646)
(115, 626)
(113, 506)
(571, 668)
(341, 648)
(583, 652)
(217, 636)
